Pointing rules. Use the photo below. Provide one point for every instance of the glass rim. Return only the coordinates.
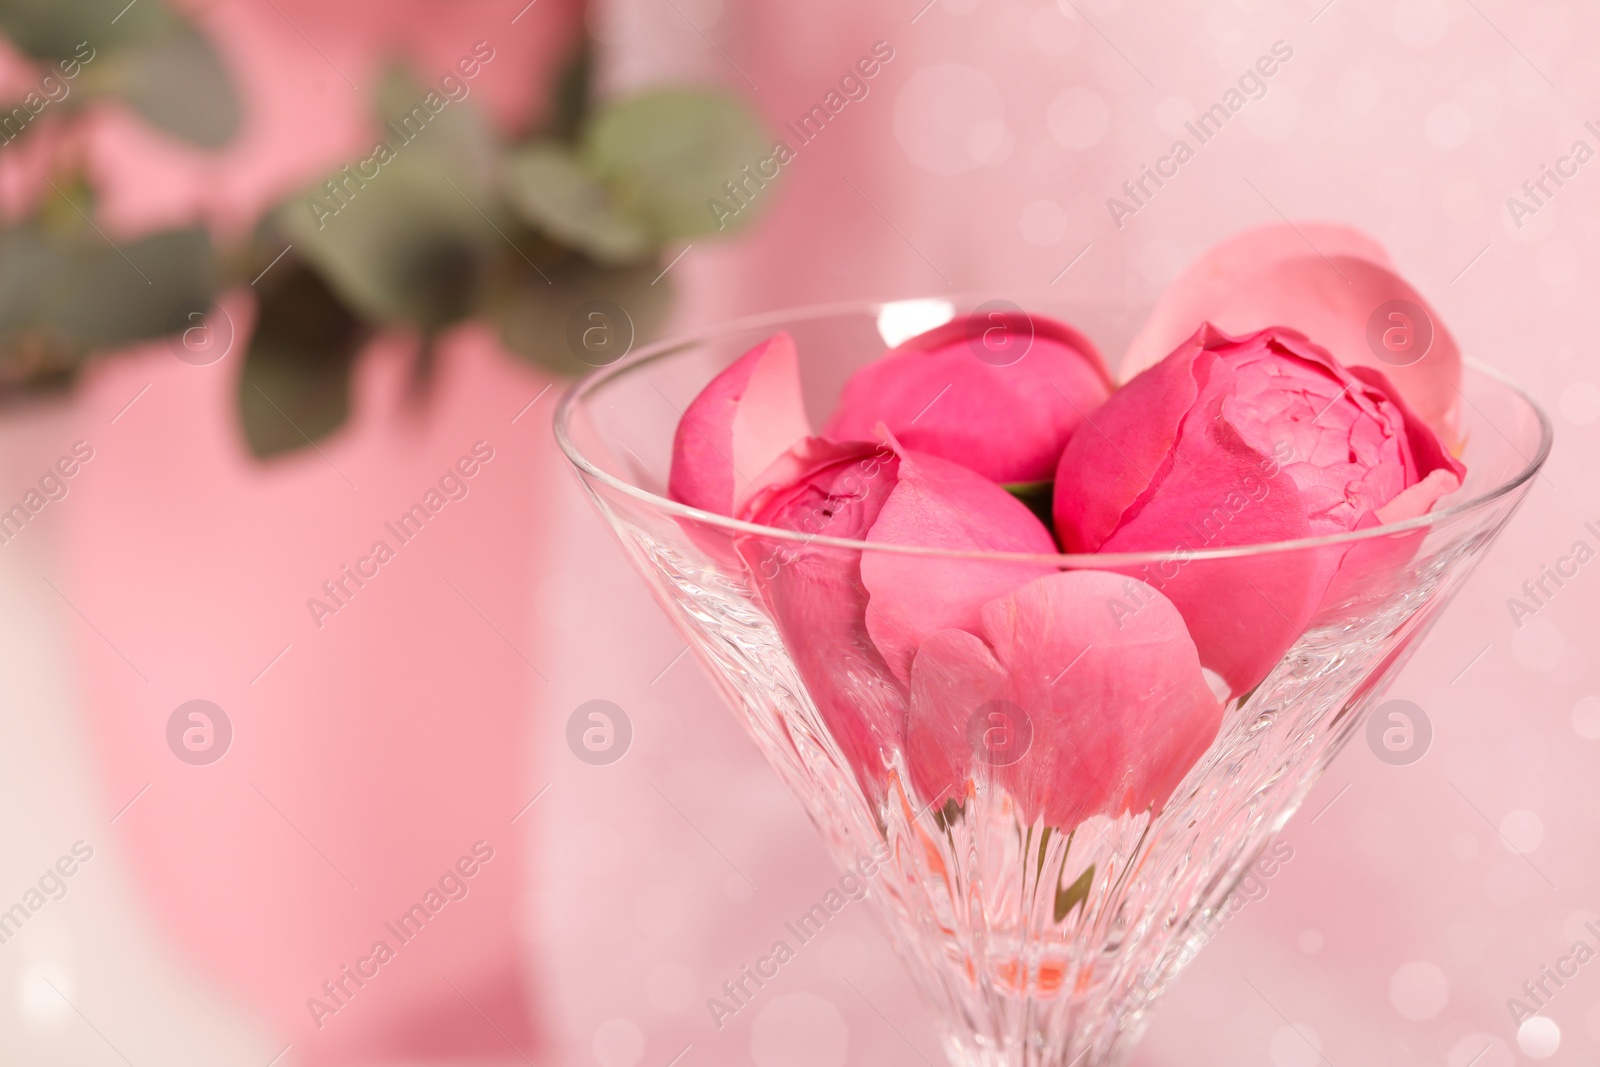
(576, 393)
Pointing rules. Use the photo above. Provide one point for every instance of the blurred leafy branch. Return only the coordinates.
(446, 220)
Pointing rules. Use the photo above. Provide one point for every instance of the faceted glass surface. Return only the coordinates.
(1040, 940)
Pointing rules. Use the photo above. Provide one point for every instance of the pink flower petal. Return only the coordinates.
(1096, 669)
(815, 595)
(1428, 450)
(954, 676)
(743, 421)
(1245, 612)
(1121, 450)
(1126, 710)
(1326, 282)
(1215, 278)
(826, 488)
(1008, 423)
(1418, 499)
(816, 598)
(939, 504)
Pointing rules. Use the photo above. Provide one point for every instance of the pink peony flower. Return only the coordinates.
(826, 488)
(1095, 678)
(1331, 283)
(1238, 441)
(853, 619)
(1000, 394)
(1076, 710)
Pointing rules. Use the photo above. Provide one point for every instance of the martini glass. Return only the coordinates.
(1040, 941)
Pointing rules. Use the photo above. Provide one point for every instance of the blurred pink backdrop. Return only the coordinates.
(423, 718)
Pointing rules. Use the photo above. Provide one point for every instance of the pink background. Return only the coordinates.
(422, 718)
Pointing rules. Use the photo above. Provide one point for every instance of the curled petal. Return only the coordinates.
(1427, 448)
(1121, 451)
(744, 420)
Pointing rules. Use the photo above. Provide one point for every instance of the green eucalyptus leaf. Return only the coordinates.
(547, 187)
(666, 154)
(32, 347)
(92, 294)
(113, 296)
(295, 386)
(570, 101)
(67, 293)
(29, 266)
(179, 85)
(406, 234)
(54, 29)
(421, 121)
(397, 90)
(410, 262)
(545, 321)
